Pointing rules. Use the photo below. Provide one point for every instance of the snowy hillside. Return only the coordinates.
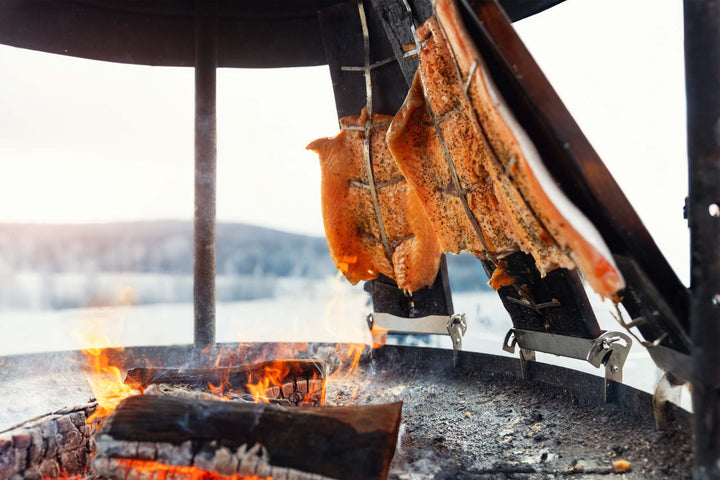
(46, 267)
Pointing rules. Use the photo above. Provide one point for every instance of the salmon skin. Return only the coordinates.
(477, 174)
(388, 234)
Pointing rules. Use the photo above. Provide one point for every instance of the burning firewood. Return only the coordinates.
(183, 436)
(296, 382)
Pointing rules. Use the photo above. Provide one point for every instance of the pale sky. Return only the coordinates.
(87, 141)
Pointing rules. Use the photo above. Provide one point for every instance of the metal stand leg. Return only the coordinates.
(668, 389)
(525, 357)
(702, 83)
(205, 174)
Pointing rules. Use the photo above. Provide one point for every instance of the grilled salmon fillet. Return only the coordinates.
(390, 234)
(476, 172)
(439, 146)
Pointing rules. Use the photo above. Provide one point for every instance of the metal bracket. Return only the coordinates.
(609, 349)
(454, 325)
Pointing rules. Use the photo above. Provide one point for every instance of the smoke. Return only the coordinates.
(35, 385)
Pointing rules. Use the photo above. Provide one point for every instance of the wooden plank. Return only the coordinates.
(343, 40)
(398, 26)
(654, 291)
(354, 443)
(565, 309)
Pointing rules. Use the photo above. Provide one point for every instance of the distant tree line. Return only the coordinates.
(72, 266)
(160, 247)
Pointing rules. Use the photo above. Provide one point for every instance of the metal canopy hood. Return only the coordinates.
(251, 34)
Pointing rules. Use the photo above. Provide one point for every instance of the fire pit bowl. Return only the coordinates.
(479, 420)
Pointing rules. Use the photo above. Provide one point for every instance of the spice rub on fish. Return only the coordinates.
(367, 233)
(441, 150)
(475, 170)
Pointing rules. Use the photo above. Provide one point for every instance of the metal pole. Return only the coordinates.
(702, 77)
(205, 173)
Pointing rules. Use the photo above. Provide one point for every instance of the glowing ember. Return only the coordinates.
(173, 472)
(63, 476)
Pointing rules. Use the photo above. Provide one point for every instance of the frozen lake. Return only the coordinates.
(302, 311)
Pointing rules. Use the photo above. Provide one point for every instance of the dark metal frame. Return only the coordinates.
(702, 79)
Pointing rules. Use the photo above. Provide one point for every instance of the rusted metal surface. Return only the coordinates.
(205, 174)
(702, 78)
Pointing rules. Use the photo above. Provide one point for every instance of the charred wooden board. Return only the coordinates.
(433, 300)
(559, 304)
(390, 28)
(336, 442)
(654, 291)
(235, 376)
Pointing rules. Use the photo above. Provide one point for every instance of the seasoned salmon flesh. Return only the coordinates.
(478, 175)
(374, 222)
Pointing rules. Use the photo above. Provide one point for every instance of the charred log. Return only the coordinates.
(300, 382)
(54, 444)
(234, 376)
(308, 393)
(334, 442)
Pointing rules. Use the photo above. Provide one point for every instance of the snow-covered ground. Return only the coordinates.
(302, 310)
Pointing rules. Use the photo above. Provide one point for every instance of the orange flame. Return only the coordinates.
(350, 359)
(349, 356)
(224, 386)
(274, 374)
(310, 395)
(104, 378)
(162, 471)
(379, 336)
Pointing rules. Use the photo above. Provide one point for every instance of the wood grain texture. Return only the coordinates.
(235, 376)
(337, 442)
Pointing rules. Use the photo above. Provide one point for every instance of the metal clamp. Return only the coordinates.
(454, 325)
(609, 349)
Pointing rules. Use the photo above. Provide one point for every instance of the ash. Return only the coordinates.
(467, 423)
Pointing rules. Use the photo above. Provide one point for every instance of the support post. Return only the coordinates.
(205, 173)
(702, 77)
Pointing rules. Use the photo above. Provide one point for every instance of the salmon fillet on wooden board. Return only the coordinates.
(496, 165)
(438, 144)
(354, 232)
(574, 233)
